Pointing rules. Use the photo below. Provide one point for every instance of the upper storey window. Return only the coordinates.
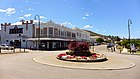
(45, 31)
(55, 32)
(16, 31)
(50, 31)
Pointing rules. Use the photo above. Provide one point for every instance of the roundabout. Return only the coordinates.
(78, 56)
(113, 63)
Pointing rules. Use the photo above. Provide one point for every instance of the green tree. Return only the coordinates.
(126, 43)
(117, 38)
(99, 40)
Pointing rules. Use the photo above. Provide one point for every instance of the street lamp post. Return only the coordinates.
(37, 16)
(129, 23)
(20, 44)
(25, 42)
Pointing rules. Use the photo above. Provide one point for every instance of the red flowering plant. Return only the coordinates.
(94, 56)
(83, 57)
(79, 48)
(72, 46)
(62, 54)
(82, 46)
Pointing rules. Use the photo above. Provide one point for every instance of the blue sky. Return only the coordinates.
(107, 17)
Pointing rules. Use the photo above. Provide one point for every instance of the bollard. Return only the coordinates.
(0, 49)
(14, 49)
(24, 49)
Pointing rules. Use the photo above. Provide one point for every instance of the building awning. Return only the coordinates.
(59, 39)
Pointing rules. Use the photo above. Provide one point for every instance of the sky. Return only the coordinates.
(106, 17)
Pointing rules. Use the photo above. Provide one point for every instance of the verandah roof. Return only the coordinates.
(34, 39)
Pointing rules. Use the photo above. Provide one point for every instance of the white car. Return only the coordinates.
(5, 46)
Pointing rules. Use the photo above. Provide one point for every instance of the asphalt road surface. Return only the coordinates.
(21, 66)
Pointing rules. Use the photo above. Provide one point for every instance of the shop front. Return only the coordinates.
(50, 43)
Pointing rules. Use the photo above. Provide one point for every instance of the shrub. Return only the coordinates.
(78, 46)
(72, 46)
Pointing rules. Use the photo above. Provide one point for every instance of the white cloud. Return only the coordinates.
(8, 11)
(30, 9)
(21, 17)
(87, 14)
(26, 1)
(36, 21)
(68, 24)
(88, 27)
(97, 30)
(84, 18)
(27, 15)
(21, 11)
(43, 17)
(17, 23)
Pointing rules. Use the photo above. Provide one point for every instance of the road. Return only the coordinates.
(21, 66)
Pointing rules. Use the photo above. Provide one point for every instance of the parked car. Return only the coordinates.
(5, 46)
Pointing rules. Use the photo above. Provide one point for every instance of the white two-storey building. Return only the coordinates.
(47, 36)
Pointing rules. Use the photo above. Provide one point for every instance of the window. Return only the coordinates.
(59, 33)
(68, 34)
(65, 34)
(45, 31)
(50, 31)
(73, 35)
(55, 32)
(16, 31)
(62, 33)
(41, 31)
(37, 32)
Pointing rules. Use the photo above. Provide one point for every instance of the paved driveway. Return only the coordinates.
(21, 66)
